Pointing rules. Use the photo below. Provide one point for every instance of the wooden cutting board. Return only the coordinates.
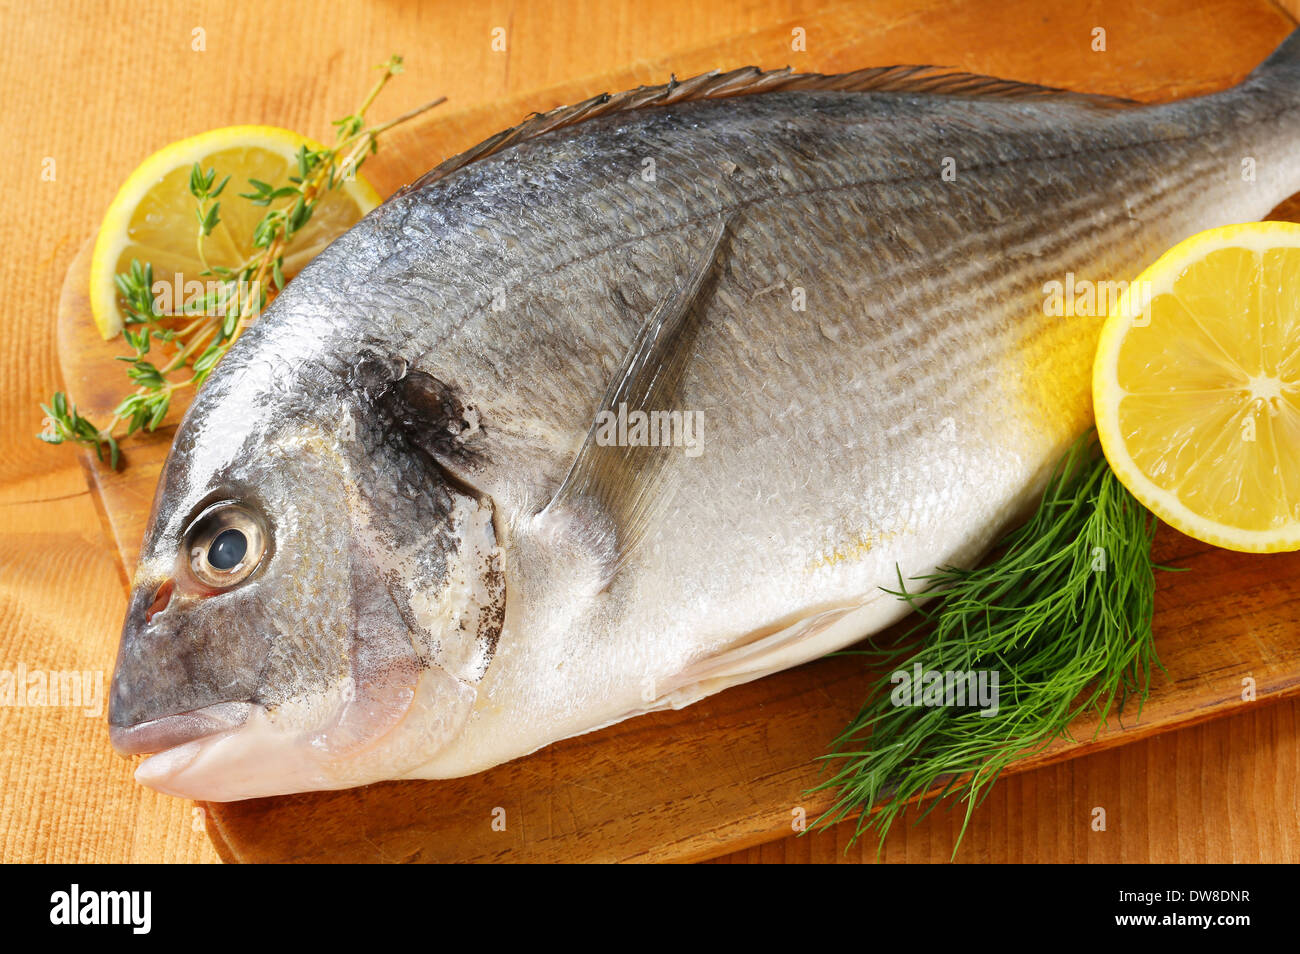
(732, 770)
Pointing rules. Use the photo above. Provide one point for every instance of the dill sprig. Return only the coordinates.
(1062, 614)
(205, 329)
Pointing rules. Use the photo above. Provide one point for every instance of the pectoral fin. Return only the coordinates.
(615, 490)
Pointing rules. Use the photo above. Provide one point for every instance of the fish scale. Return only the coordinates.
(471, 340)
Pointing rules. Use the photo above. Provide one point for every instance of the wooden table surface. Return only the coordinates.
(91, 88)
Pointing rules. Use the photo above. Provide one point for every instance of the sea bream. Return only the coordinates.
(643, 399)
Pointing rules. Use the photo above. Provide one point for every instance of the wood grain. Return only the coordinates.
(1224, 791)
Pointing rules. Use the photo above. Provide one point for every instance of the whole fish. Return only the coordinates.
(643, 399)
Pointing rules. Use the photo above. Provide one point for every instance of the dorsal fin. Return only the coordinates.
(750, 80)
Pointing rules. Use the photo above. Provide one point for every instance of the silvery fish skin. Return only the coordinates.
(841, 295)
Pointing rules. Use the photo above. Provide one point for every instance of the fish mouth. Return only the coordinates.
(317, 742)
(168, 732)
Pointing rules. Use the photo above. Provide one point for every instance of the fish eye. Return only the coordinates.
(225, 544)
(228, 549)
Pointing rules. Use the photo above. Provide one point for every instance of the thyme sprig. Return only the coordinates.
(1063, 614)
(208, 325)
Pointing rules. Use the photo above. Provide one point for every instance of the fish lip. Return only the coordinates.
(171, 731)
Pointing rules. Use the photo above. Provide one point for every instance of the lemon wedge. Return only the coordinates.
(1196, 387)
(152, 219)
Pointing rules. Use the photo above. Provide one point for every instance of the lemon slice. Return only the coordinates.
(152, 219)
(1196, 387)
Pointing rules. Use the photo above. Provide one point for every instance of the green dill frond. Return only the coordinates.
(1062, 615)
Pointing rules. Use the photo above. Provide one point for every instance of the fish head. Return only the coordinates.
(315, 602)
